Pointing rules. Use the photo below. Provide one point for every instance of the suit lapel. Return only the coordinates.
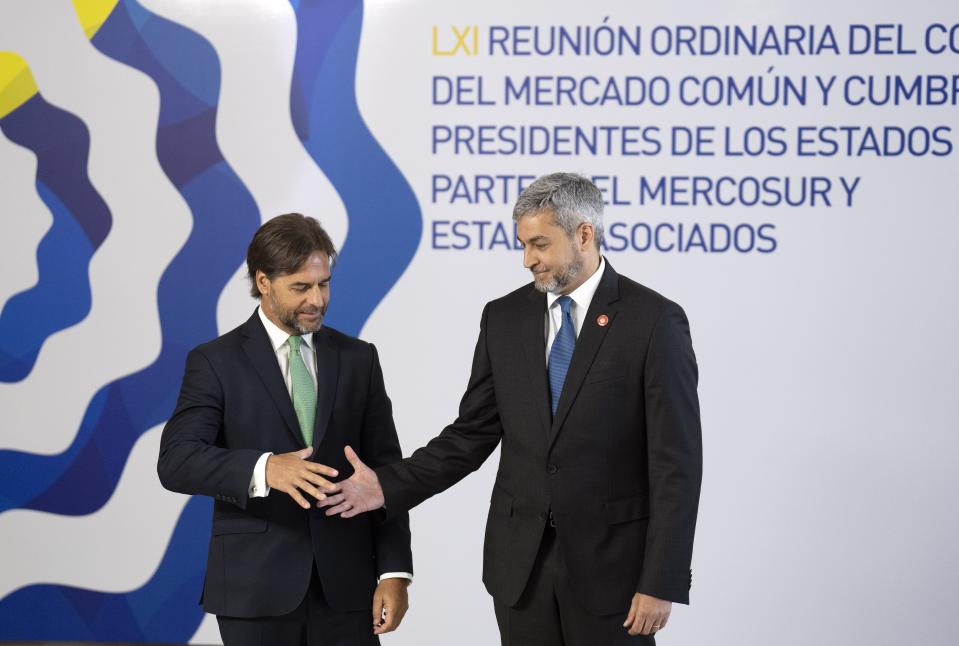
(534, 347)
(587, 345)
(260, 351)
(327, 377)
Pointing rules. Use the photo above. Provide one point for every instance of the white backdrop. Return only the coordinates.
(827, 365)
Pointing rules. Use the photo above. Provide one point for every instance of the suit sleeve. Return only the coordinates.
(381, 446)
(675, 458)
(192, 459)
(458, 450)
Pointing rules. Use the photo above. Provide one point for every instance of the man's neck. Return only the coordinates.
(593, 266)
(274, 320)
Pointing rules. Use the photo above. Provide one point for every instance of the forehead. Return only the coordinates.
(541, 223)
(316, 266)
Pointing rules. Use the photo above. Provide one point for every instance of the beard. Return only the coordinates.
(290, 318)
(561, 277)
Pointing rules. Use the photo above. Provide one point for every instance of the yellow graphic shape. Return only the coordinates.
(16, 83)
(93, 13)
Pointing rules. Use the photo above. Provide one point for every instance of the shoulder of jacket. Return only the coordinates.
(224, 342)
(633, 292)
(516, 298)
(345, 342)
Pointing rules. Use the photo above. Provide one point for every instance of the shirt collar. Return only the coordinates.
(277, 336)
(583, 294)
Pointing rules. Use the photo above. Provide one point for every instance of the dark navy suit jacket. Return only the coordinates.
(619, 466)
(233, 407)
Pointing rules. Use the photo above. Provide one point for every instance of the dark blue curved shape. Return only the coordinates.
(164, 610)
(81, 479)
(385, 228)
(385, 222)
(81, 222)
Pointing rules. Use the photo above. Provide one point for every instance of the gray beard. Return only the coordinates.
(562, 278)
(289, 319)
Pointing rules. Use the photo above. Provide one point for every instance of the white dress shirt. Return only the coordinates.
(278, 338)
(582, 296)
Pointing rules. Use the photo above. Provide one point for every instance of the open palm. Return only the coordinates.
(359, 493)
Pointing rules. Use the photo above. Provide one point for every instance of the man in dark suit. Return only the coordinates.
(589, 381)
(260, 408)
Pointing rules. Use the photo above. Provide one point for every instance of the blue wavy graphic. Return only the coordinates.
(163, 610)
(79, 481)
(385, 229)
(385, 219)
(81, 221)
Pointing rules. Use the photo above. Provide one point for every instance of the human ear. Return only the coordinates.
(262, 283)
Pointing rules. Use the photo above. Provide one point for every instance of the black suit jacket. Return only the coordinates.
(619, 465)
(233, 407)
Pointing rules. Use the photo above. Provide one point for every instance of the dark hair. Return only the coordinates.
(283, 244)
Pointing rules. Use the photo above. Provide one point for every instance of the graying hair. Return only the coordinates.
(572, 198)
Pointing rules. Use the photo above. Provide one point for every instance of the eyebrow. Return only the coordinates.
(535, 239)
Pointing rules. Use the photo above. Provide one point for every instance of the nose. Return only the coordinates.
(528, 258)
(315, 297)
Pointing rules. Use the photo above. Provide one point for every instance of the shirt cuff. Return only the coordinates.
(396, 575)
(258, 486)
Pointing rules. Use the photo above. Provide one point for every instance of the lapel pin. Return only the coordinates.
(602, 320)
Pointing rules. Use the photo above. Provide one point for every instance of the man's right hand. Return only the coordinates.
(291, 473)
(359, 493)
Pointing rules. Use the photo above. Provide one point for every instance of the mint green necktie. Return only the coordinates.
(304, 392)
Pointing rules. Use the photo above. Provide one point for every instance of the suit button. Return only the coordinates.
(551, 469)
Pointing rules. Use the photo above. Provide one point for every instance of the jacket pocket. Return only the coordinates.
(223, 526)
(626, 509)
(606, 374)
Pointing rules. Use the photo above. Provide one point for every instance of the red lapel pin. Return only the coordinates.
(602, 320)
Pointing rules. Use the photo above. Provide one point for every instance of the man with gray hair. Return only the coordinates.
(589, 381)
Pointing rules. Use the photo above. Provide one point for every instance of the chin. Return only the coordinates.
(545, 286)
(310, 329)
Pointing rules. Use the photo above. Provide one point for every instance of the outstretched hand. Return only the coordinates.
(359, 493)
(294, 475)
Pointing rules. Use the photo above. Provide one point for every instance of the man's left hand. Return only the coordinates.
(390, 603)
(647, 615)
